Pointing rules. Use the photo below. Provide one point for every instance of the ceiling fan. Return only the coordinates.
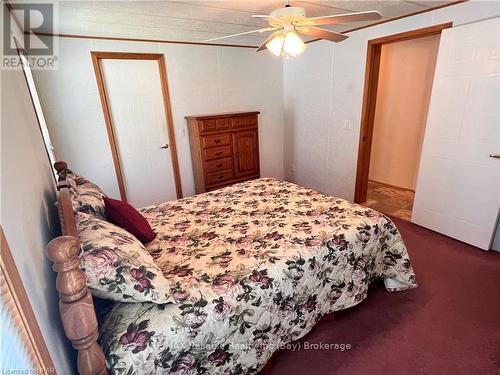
(287, 23)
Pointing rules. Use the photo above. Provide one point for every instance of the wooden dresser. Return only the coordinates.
(224, 149)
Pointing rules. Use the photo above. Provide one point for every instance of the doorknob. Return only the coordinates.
(165, 146)
(496, 156)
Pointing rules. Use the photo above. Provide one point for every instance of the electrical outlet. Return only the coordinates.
(182, 132)
(292, 167)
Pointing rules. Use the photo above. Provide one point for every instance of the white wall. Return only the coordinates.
(324, 88)
(28, 214)
(201, 80)
(403, 95)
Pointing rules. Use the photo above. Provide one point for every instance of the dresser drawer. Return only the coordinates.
(222, 123)
(217, 140)
(219, 165)
(207, 126)
(244, 122)
(216, 178)
(217, 153)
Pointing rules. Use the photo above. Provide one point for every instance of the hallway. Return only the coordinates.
(390, 200)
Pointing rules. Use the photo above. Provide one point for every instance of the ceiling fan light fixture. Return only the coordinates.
(287, 23)
(275, 45)
(293, 44)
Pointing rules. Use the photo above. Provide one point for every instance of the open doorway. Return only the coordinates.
(398, 84)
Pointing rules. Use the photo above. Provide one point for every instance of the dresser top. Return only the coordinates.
(221, 115)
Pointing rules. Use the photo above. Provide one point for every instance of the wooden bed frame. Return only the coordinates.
(76, 305)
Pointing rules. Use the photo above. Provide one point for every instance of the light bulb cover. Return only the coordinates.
(293, 44)
(275, 45)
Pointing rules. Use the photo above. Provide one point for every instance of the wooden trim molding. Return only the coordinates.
(412, 34)
(109, 126)
(367, 117)
(16, 302)
(145, 40)
(96, 58)
(373, 54)
(170, 124)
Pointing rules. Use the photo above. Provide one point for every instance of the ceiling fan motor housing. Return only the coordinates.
(291, 14)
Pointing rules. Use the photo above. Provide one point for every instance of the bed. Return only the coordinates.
(252, 266)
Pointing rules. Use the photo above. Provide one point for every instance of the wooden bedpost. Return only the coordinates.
(76, 306)
(60, 167)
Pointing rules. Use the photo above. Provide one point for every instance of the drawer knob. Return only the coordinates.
(217, 141)
(218, 153)
(219, 165)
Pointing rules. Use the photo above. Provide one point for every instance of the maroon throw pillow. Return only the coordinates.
(128, 218)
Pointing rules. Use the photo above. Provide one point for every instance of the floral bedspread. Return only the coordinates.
(252, 267)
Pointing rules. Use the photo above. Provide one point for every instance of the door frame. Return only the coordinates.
(97, 56)
(373, 54)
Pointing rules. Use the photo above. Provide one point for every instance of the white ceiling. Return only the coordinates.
(199, 20)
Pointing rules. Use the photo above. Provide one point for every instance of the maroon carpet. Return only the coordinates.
(450, 324)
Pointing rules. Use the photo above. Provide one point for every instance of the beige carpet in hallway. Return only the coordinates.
(390, 200)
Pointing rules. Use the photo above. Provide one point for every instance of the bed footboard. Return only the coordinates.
(76, 306)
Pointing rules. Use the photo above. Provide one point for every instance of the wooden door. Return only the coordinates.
(458, 188)
(138, 120)
(246, 153)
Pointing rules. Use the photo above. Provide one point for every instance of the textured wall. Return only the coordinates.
(201, 80)
(324, 94)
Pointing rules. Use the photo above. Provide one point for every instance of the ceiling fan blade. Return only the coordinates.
(322, 33)
(245, 33)
(342, 18)
(269, 38)
(270, 18)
